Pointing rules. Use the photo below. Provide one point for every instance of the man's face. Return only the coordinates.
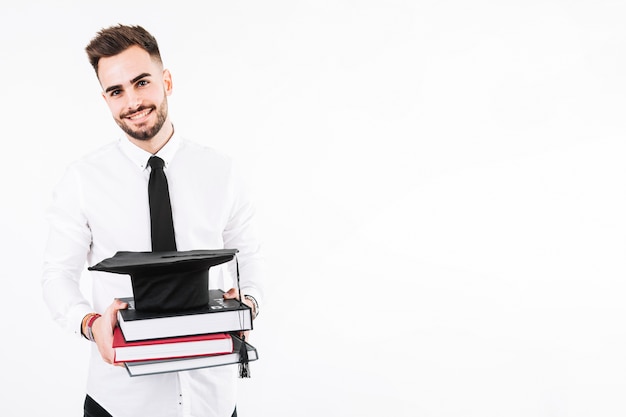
(135, 88)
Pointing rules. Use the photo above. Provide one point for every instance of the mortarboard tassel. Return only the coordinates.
(244, 366)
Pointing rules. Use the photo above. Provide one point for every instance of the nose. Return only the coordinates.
(133, 100)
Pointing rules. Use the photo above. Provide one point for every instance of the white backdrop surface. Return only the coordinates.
(440, 187)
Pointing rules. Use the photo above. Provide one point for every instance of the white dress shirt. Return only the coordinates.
(101, 207)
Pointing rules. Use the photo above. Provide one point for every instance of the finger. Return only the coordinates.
(113, 309)
(232, 293)
(120, 305)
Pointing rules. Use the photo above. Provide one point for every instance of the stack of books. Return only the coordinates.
(172, 322)
(151, 343)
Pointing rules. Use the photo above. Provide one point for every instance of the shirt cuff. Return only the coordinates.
(75, 318)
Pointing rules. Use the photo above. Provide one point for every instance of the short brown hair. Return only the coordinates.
(116, 39)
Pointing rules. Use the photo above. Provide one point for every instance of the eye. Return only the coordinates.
(114, 93)
(143, 83)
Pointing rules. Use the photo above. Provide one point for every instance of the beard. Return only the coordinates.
(146, 132)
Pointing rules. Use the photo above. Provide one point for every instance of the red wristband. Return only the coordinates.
(89, 324)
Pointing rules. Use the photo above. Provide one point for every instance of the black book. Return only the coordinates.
(150, 367)
(218, 316)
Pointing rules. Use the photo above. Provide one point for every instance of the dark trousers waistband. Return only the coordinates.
(93, 409)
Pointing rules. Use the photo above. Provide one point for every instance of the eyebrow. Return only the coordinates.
(133, 81)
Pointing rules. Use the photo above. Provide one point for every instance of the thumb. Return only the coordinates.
(112, 311)
(119, 304)
(232, 293)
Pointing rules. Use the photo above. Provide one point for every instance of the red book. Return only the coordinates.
(139, 368)
(172, 347)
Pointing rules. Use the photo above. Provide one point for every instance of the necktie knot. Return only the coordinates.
(156, 163)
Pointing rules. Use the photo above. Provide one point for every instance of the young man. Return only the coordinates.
(101, 207)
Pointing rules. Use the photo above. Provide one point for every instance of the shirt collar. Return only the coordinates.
(139, 157)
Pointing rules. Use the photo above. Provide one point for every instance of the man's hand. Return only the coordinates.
(103, 330)
(234, 294)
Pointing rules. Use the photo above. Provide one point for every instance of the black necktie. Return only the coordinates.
(161, 224)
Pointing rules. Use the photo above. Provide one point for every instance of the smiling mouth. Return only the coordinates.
(139, 115)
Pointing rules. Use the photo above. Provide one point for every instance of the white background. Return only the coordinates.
(440, 187)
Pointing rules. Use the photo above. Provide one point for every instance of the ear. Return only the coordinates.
(167, 82)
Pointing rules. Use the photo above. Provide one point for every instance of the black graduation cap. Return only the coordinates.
(167, 281)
